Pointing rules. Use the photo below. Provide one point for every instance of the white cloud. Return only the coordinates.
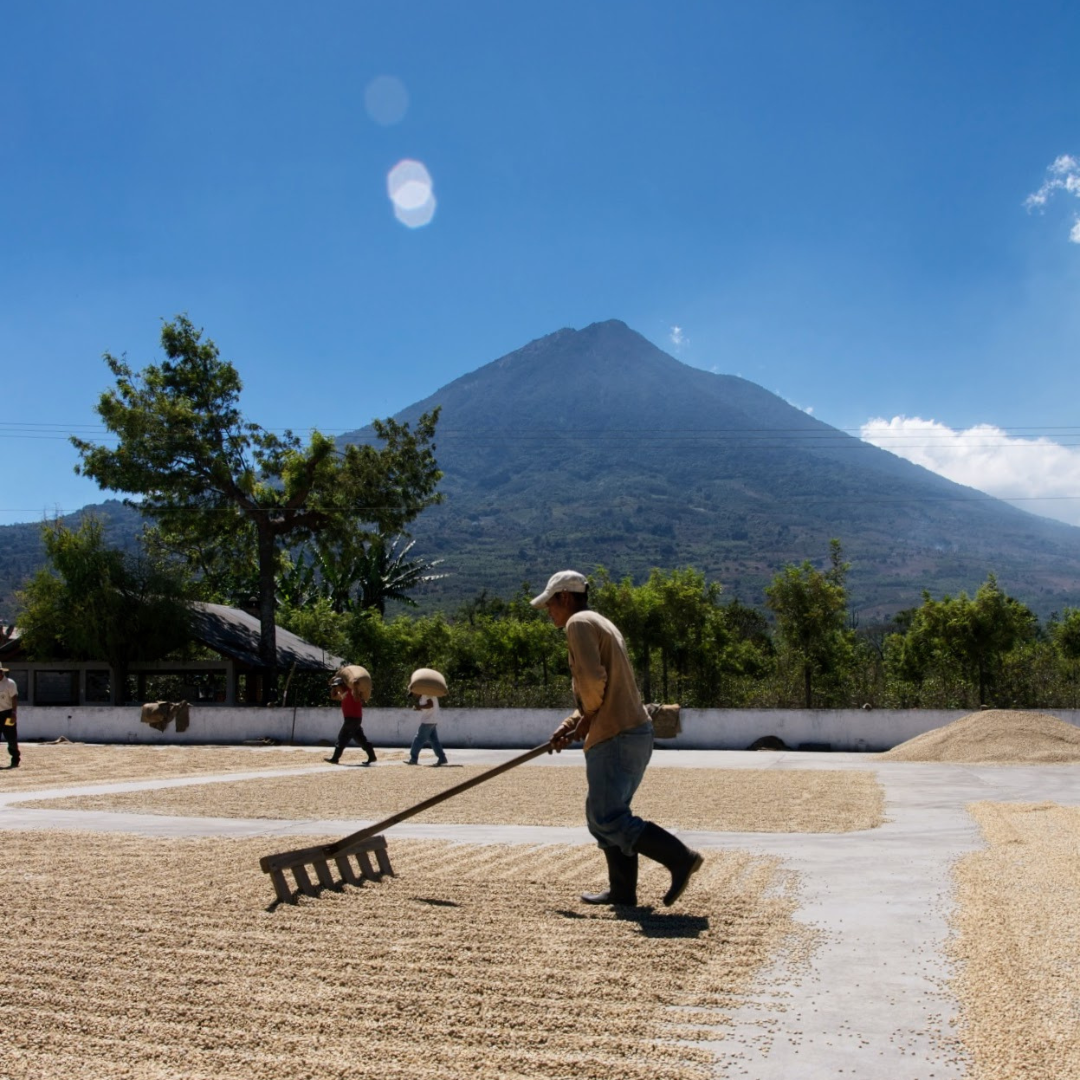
(1062, 175)
(1035, 474)
(677, 337)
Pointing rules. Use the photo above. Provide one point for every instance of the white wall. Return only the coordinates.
(703, 729)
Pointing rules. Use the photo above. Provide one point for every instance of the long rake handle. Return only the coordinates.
(457, 789)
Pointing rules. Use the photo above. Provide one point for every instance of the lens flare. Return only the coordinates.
(386, 100)
(409, 186)
(414, 218)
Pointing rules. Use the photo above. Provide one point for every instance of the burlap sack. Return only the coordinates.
(665, 720)
(427, 681)
(181, 714)
(357, 680)
(159, 714)
(156, 714)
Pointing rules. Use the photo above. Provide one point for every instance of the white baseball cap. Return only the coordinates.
(563, 581)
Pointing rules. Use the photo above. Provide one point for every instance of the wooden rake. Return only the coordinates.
(363, 844)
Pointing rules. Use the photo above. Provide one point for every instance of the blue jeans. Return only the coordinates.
(427, 735)
(614, 769)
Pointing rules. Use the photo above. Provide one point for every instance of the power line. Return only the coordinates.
(849, 438)
(881, 499)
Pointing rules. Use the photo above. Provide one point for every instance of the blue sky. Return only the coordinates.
(868, 208)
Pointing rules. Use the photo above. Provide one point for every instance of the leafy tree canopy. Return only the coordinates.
(969, 635)
(217, 483)
(811, 611)
(98, 603)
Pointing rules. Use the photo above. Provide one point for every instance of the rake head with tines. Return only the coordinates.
(319, 858)
(360, 845)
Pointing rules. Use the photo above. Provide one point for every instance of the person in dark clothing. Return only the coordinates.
(352, 714)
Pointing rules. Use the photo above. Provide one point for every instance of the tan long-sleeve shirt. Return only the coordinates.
(603, 678)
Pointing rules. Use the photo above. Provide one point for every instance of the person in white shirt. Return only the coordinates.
(428, 732)
(9, 710)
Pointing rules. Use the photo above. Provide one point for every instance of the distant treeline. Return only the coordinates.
(689, 645)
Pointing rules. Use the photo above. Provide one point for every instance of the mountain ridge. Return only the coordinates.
(594, 447)
(584, 443)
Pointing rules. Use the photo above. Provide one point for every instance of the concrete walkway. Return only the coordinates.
(872, 1004)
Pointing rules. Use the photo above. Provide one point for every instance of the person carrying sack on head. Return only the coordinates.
(352, 717)
(425, 688)
(9, 715)
(618, 744)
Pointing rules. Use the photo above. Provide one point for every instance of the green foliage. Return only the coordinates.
(353, 577)
(684, 644)
(811, 612)
(225, 491)
(94, 602)
(1065, 634)
(97, 603)
(317, 622)
(509, 658)
(955, 649)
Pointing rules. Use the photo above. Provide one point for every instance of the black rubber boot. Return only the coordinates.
(660, 846)
(622, 880)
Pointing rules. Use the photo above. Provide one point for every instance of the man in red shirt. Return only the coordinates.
(352, 713)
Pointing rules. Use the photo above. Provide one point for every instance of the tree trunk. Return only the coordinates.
(267, 626)
(646, 675)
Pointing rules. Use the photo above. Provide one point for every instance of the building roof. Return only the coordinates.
(10, 642)
(227, 630)
(235, 634)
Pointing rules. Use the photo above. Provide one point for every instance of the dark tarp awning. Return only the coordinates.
(235, 634)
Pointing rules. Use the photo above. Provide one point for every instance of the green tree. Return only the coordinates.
(216, 483)
(372, 574)
(1064, 634)
(317, 622)
(704, 650)
(98, 603)
(634, 610)
(966, 636)
(811, 615)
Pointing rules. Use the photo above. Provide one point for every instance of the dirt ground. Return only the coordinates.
(60, 764)
(163, 959)
(126, 957)
(1017, 942)
(734, 801)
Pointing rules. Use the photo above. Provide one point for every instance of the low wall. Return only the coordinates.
(702, 729)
